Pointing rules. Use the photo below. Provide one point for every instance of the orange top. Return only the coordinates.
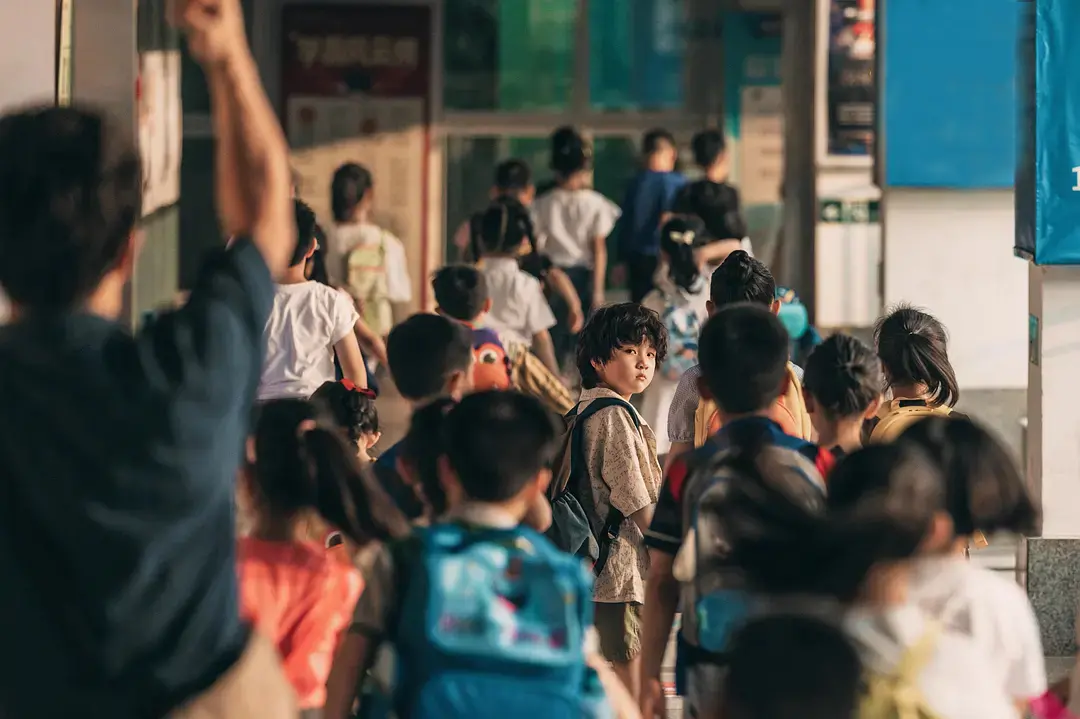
(302, 598)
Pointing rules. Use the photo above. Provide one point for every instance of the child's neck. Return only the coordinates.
(886, 585)
(275, 529)
(726, 417)
(845, 433)
(624, 395)
(910, 391)
(657, 164)
(293, 276)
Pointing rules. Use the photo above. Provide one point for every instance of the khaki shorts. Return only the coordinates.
(619, 627)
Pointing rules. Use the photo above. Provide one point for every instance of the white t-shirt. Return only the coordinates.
(993, 610)
(519, 309)
(305, 323)
(567, 222)
(960, 681)
(343, 239)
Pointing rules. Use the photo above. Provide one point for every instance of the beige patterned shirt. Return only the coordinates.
(625, 474)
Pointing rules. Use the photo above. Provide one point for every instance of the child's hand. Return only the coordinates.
(215, 29)
(575, 319)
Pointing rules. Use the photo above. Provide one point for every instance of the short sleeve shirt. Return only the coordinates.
(119, 454)
(519, 309)
(568, 221)
(307, 320)
(625, 474)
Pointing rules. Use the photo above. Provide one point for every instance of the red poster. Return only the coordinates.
(356, 87)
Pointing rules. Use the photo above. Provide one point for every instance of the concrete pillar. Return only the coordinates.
(1047, 233)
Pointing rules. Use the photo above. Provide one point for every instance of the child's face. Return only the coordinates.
(630, 369)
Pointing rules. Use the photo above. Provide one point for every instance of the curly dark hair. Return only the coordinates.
(613, 327)
(352, 409)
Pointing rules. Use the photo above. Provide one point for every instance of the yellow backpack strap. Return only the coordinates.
(796, 404)
(894, 419)
(897, 695)
(702, 419)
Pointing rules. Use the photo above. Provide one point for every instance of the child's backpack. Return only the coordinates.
(366, 267)
(897, 695)
(531, 376)
(576, 528)
(715, 603)
(897, 415)
(684, 328)
(491, 367)
(789, 412)
(492, 624)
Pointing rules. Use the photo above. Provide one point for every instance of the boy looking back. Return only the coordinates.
(743, 351)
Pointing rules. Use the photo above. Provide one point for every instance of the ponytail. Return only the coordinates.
(303, 463)
(913, 347)
(679, 237)
(350, 185)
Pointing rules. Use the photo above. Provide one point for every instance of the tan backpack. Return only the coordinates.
(897, 415)
(367, 281)
(789, 412)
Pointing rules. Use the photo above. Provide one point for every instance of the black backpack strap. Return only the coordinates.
(613, 522)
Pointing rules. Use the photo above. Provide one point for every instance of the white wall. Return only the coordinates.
(950, 252)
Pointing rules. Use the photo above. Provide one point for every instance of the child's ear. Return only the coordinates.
(487, 305)
(459, 384)
(703, 389)
(543, 480)
(249, 449)
(373, 439)
(710, 308)
(873, 409)
(775, 306)
(311, 249)
(449, 482)
(808, 400)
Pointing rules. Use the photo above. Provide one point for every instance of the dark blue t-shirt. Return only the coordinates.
(648, 197)
(117, 535)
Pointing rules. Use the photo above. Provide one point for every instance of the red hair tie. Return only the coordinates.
(351, 386)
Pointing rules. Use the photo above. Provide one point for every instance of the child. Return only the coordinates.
(743, 369)
(913, 347)
(292, 589)
(513, 184)
(617, 355)
(713, 200)
(309, 325)
(984, 493)
(461, 294)
(842, 387)
(362, 257)
(498, 446)
(850, 565)
(681, 300)
(519, 311)
(741, 278)
(649, 198)
(431, 357)
(353, 410)
(573, 222)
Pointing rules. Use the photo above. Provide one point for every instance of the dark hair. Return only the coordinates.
(501, 228)
(350, 185)
(843, 376)
(708, 146)
(743, 353)
(615, 326)
(655, 140)
(421, 449)
(460, 291)
(913, 347)
(352, 409)
(424, 351)
(298, 469)
(513, 176)
(317, 261)
(497, 442)
(984, 490)
(717, 205)
(570, 152)
(791, 666)
(741, 278)
(72, 194)
(679, 237)
(881, 505)
(305, 231)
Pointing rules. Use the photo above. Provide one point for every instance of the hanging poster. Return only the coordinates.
(160, 123)
(851, 91)
(356, 87)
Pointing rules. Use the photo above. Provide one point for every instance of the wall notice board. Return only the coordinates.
(948, 96)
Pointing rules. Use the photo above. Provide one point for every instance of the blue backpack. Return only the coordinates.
(492, 625)
(684, 327)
